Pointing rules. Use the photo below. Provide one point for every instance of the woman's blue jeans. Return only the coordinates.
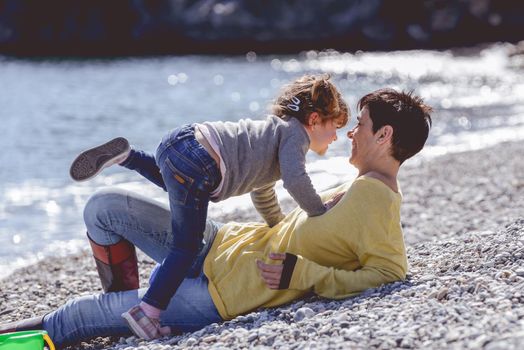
(112, 215)
(183, 168)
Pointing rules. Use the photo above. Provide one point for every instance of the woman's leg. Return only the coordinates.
(147, 224)
(86, 317)
(112, 219)
(112, 215)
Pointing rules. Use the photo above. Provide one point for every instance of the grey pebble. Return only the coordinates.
(520, 272)
(302, 313)
(252, 337)
(442, 293)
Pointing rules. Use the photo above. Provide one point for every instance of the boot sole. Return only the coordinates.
(91, 162)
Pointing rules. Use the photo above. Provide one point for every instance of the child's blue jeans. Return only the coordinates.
(184, 169)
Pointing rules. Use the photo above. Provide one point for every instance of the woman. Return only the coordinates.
(356, 245)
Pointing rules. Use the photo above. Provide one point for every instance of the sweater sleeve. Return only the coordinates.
(266, 203)
(333, 283)
(292, 157)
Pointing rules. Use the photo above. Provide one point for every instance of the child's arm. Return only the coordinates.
(266, 203)
(292, 157)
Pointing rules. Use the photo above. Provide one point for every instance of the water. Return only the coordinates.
(51, 110)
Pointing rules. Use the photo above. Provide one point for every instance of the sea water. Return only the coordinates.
(50, 110)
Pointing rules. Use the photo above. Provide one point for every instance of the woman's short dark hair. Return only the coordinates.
(405, 113)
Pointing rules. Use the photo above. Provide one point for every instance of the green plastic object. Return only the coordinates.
(25, 340)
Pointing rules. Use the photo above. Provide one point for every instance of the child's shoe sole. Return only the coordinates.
(134, 327)
(91, 162)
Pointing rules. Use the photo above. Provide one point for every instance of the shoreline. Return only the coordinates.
(464, 288)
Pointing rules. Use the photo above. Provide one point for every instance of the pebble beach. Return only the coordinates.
(463, 219)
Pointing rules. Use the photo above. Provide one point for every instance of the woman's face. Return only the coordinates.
(363, 140)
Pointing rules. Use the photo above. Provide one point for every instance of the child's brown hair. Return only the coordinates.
(308, 94)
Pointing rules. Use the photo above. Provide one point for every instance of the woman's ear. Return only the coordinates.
(385, 134)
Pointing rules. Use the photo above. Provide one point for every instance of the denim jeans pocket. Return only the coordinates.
(180, 185)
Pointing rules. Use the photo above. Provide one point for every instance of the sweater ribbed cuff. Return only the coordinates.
(287, 272)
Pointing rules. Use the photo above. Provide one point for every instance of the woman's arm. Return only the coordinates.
(336, 283)
(297, 272)
(271, 274)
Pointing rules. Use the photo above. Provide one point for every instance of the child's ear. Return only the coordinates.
(313, 119)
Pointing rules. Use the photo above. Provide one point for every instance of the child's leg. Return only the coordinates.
(91, 162)
(190, 174)
(144, 163)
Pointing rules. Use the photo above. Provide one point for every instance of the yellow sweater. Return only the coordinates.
(356, 245)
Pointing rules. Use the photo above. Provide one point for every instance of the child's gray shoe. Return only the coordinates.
(91, 162)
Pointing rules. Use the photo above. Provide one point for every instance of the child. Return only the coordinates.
(216, 160)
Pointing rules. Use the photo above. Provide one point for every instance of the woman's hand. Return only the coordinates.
(333, 201)
(271, 274)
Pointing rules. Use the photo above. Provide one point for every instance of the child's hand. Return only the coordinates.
(333, 201)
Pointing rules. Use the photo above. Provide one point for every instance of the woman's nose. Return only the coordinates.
(350, 134)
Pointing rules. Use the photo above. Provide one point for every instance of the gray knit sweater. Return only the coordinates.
(256, 154)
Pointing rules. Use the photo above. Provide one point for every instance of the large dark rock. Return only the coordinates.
(121, 27)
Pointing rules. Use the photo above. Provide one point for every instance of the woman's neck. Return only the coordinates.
(387, 173)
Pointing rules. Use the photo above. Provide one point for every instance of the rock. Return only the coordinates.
(209, 338)
(311, 330)
(131, 340)
(191, 341)
(441, 294)
(253, 336)
(303, 312)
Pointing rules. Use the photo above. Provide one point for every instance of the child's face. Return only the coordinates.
(322, 134)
